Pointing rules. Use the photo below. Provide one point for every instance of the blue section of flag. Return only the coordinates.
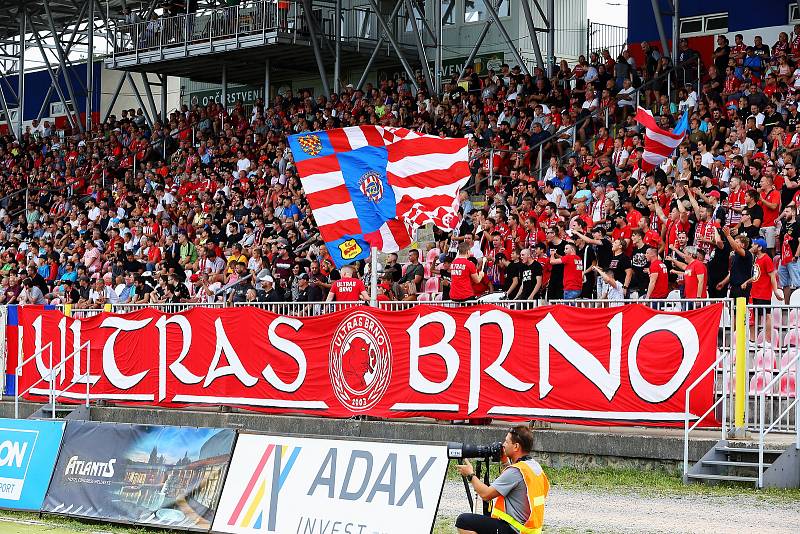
(682, 125)
(364, 172)
(348, 248)
(13, 315)
(304, 145)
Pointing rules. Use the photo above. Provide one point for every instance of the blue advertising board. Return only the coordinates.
(28, 452)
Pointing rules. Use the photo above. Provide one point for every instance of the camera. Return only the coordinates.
(491, 451)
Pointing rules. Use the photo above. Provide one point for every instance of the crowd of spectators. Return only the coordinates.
(206, 206)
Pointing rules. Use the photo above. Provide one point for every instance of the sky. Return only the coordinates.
(609, 11)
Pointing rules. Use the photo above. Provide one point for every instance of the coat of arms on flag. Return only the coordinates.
(370, 186)
(310, 144)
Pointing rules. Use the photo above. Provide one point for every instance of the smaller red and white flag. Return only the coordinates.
(659, 144)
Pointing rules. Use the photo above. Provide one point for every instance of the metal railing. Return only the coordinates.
(727, 370)
(50, 377)
(783, 375)
(248, 19)
(773, 334)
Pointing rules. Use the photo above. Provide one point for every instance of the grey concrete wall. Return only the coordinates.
(557, 447)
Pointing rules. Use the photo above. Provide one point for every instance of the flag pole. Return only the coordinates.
(373, 278)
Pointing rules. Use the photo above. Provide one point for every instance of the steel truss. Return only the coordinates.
(51, 34)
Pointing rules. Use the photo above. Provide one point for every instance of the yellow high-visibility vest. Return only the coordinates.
(537, 487)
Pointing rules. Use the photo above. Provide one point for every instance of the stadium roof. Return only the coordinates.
(64, 12)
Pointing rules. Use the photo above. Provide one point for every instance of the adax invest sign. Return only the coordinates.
(283, 484)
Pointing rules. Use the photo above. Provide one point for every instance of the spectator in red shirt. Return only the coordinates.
(765, 284)
(348, 288)
(695, 274)
(463, 275)
(658, 287)
(573, 272)
(770, 202)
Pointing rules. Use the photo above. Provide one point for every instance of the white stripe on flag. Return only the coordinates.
(356, 137)
(653, 158)
(424, 192)
(334, 213)
(389, 242)
(662, 139)
(314, 183)
(410, 165)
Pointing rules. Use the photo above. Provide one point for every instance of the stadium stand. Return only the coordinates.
(206, 206)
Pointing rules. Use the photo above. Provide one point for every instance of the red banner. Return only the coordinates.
(625, 365)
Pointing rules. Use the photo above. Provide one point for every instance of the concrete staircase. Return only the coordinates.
(738, 463)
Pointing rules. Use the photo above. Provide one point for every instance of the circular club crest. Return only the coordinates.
(371, 186)
(359, 362)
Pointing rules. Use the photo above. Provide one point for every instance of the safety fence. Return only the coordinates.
(251, 19)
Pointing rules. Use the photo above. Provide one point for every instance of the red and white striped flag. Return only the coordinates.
(371, 186)
(658, 143)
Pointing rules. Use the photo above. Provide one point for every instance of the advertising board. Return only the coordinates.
(141, 474)
(285, 484)
(28, 451)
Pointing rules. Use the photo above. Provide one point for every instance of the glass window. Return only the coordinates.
(717, 24)
(691, 26)
(448, 12)
(475, 10)
(419, 14)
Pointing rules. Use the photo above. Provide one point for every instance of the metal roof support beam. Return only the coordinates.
(6, 112)
(61, 56)
(676, 30)
(22, 14)
(475, 49)
(138, 96)
(526, 8)
(657, 13)
(393, 41)
(437, 65)
(493, 14)
(312, 32)
(54, 78)
(164, 118)
(152, 101)
(377, 49)
(70, 44)
(114, 97)
(551, 36)
(337, 32)
(90, 67)
(423, 56)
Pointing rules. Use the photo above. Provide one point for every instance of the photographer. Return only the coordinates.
(518, 493)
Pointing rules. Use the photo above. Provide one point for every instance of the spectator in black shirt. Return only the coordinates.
(621, 264)
(722, 53)
(530, 275)
(512, 272)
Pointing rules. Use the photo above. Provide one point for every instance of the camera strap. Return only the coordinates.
(525, 458)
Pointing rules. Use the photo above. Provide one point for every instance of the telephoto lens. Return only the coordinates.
(457, 451)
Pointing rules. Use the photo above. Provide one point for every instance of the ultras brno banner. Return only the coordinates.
(28, 451)
(141, 474)
(282, 484)
(625, 365)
